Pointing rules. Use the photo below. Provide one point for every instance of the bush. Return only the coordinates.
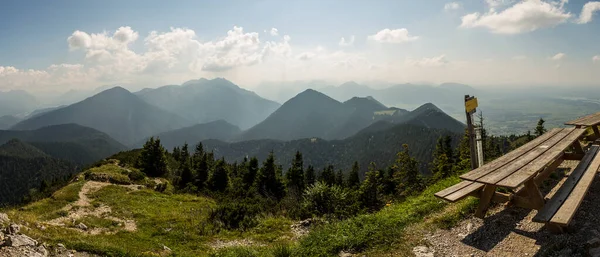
(281, 250)
(136, 175)
(234, 215)
(323, 200)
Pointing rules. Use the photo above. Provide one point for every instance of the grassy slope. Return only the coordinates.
(177, 221)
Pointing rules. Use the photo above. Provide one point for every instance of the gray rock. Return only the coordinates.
(13, 229)
(166, 248)
(594, 252)
(345, 254)
(423, 251)
(593, 243)
(81, 226)
(61, 246)
(19, 240)
(4, 218)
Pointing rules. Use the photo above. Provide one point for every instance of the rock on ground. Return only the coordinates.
(4, 218)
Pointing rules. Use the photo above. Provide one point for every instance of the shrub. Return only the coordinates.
(281, 250)
(323, 200)
(136, 175)
(234, 215)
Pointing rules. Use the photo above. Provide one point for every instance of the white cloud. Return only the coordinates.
(525, 16)
(274, 32)
(305, 56)
(519, 57)
(436, 61)
(596, 58)
(558, 57)
(452, 6)
(343, 41)
(587, 12)
(393, 36)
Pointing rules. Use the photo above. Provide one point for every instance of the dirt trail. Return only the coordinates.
(511, 232)
(82, 208)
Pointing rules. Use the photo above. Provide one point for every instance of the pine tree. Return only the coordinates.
(267, 182)
(201, 170)
(295, 175)
(250, 175)
(219, 180)
(353, 177)
(184, 153)
(176, 154)
(328, 175)
(309, 176)
(540, 129)
(464, 154)
(406, 174)
(339, 178)
(441, 166)
(370, 190)
(152, 159)
(187, 175)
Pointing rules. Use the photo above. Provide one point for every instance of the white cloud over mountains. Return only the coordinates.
(524, 16)
(588, 11)
(393, 36)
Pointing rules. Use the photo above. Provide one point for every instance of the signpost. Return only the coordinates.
(470, 108)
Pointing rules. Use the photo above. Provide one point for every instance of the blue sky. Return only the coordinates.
(62, 45)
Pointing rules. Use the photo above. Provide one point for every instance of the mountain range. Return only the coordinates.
(116, 111)
(16, 101)
(203, 100)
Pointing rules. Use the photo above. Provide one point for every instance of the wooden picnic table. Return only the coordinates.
(520, 172)
(592, 120)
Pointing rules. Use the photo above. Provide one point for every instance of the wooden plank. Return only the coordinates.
(505, 159)
(543, 175)
(484, 202)
(452, 189)
(531, 169)
(588, 120)
(563, 192)
(534, 195)
(495, 177)
(464, 192)
(567, 210)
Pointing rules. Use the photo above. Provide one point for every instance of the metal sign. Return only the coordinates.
(471, 104)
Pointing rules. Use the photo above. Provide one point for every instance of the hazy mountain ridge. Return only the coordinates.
(219, 130)
(16, 101)
(116, 111)
(204, 100)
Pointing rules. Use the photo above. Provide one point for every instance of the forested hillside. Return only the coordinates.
(24, 167)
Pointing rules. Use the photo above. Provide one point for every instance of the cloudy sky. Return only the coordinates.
(62, 45)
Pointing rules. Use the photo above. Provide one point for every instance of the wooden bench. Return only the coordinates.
(592, 121)
(558, 211)
(460, 191)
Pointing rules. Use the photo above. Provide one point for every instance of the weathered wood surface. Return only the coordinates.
(589, 120)
(503, 160)
(566, 212)
(553, 205)
(531, 169)
(459, 191)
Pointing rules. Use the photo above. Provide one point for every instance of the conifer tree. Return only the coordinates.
(201, 170)
(370, 190)
(250, 175)
(295, 175)
(219, 179)
(328, 175)
(309, 176)
(540, 129)
(353, 176)
(152, 159)
(339, 178)
(406, 174)
(267, 182)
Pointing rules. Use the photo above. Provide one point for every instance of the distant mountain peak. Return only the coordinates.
(16, 147)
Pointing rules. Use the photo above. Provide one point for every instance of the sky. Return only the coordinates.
(81, 45)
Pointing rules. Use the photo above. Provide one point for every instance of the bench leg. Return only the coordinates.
(556, 229)
(577, 147)
(484, 201)
(535, 196)
(596, 132)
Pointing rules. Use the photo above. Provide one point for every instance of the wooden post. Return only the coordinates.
(471, 132)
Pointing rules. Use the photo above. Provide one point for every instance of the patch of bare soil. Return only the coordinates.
(218, 244)
(82, 208)
(509, 231)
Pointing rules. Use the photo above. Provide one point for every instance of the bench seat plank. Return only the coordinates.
(509, 157)
(459, 191)
(566, 212)
(531, 169)
(525, 159)
(554, 204)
